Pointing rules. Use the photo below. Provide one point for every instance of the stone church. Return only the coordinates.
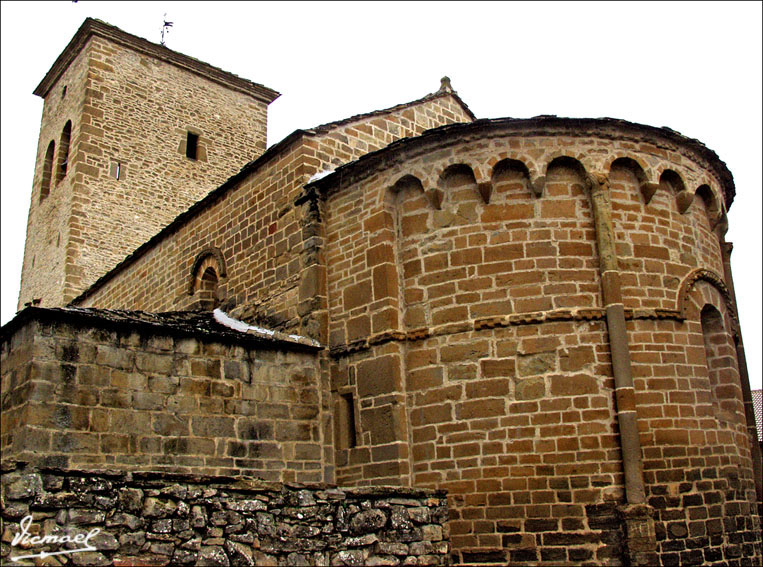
(536, 316)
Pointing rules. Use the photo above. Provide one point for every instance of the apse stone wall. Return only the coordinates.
(468, 333)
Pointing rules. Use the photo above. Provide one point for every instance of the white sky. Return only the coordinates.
(695, 67)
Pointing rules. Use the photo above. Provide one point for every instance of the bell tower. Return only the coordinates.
(132, 134)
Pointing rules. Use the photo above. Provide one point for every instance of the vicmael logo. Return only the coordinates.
(24, 538)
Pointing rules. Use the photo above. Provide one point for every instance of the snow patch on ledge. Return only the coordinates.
(237, 325)
(320, 175)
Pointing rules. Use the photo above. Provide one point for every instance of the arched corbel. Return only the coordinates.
(713, 205)
(684, 200)
(435, 197)
(486, 190)
(537, 184)
(721, 225)
(576, 164)
(648, 190)
(511, 164)
(483, 181)
(596, 180)
(428, 182)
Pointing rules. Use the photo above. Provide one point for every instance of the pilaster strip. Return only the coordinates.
(618, 339)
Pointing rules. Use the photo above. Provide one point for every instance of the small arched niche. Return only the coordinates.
(412, 206)
(459, 183)
(629, 173)
(511, 180)
(674, 185)
(564, 193)
(672, 182)
(461, 197)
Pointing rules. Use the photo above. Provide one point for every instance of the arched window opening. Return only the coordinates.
(208, 296)
(719, 355)
(47, 170)
(63, 152)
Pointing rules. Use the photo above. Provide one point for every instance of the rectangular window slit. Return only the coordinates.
(191, 145)
(116, 170)
(345, 421)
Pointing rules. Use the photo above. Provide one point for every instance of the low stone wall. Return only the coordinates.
(163, 519)
(176, 393)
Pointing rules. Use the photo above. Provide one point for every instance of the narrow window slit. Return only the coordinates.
(345, 421)
(191, 146)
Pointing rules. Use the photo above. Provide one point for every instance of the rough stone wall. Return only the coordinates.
(471, 336)
(79, 396)
(131, 109)
(155, 519)
(259, 230)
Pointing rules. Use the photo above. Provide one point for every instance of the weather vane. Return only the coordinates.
(165, 27)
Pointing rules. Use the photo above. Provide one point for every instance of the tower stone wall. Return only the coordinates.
(131, 105)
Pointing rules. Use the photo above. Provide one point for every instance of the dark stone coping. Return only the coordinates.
(234, 483)
(194, 324)
(546, 125)
(92, 27)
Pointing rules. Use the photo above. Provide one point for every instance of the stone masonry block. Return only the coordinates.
(212, 426)
(385, 281)
(158, 363)
(576, 385)
(381, 424)
(357, 294)
(378, 376)
(536, 364)
(115, 357)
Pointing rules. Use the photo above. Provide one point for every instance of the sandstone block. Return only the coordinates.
(381, 375)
